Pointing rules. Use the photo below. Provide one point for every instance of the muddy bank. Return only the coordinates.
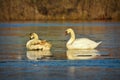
(35, 10)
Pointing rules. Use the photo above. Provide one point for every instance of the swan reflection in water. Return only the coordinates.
(38, 55)
(82, 54)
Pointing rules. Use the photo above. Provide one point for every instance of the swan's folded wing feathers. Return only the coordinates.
(35, 42)
(83, 43)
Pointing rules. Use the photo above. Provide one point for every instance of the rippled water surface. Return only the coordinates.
(16, 62)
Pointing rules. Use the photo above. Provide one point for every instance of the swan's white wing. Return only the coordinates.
(38, 44)
(33, 44)
(83, 43)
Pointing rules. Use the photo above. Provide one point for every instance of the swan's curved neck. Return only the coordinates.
(72, 38)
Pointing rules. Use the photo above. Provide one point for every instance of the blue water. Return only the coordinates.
(107, 63)
(61, 70)
(16, 63)
(108, 24)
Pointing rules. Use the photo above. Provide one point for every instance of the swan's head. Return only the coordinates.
(33, 36)
(68, 31)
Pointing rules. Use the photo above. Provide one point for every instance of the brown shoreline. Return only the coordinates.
(52, 10)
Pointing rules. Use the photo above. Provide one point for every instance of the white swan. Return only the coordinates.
(36, 44)
(81, 43)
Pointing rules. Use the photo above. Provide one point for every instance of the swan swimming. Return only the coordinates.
(80, 43)
(35, 44)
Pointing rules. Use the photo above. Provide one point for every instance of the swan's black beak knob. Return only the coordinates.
(66, 33)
